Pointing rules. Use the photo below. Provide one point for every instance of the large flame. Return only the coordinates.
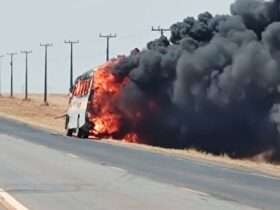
(106, 89)
(105, 117)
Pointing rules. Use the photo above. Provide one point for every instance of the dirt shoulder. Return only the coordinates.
(33, 112)
(2, 207)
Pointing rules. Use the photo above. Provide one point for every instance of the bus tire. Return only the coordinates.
(83, 134)
(69, 132)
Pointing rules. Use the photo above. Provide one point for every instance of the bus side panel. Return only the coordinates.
(77, 112)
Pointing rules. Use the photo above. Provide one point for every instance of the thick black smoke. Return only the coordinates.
(214, 85)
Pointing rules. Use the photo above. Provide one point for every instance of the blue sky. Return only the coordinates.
(26, 23)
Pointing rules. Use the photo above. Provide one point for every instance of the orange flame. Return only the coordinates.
(106, 119)
(132, 138)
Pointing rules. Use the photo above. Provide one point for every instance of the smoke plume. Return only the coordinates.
(214, 85)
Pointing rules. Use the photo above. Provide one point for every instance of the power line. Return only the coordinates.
(46, 46)
(12, 73)
(108, 37)
(26, 52)
(161, 30)
(1, 57)
(71, 43)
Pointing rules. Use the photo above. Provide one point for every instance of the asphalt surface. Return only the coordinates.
(49, 171)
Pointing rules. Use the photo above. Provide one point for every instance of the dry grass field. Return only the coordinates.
(50, 117)
(35, 112)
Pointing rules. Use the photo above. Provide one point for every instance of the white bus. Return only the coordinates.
(77, 120)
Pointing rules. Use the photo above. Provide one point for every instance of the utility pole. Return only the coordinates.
(71, 43)
(108, 37)
(46, 46)
(26, 52)
(12, 73)
(161, 30)
(1, 57)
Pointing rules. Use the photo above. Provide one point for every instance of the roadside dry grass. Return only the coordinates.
(4, 203)
(35, 113)
(254, 164)
(5, 206)
(2, 207)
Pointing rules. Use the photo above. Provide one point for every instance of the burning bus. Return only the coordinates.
(213, 86)
(77, 114)
(92, 110)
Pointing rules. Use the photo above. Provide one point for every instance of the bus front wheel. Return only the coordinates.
(69, 132)
(83, 134)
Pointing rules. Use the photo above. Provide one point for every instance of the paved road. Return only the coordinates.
(46, 171)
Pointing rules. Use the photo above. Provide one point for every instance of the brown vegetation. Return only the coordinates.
(35, 112)
(50, 117)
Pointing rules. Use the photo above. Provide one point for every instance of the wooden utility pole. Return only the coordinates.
(46, 46)
(1, 57)
(108, 37)
(26, 52)
(161, 30)
(12, 73)
(71, 43)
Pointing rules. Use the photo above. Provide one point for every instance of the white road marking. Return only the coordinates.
(265, 176)
(196, 192)
(9, 202)
(118, 169)
(72, 155)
